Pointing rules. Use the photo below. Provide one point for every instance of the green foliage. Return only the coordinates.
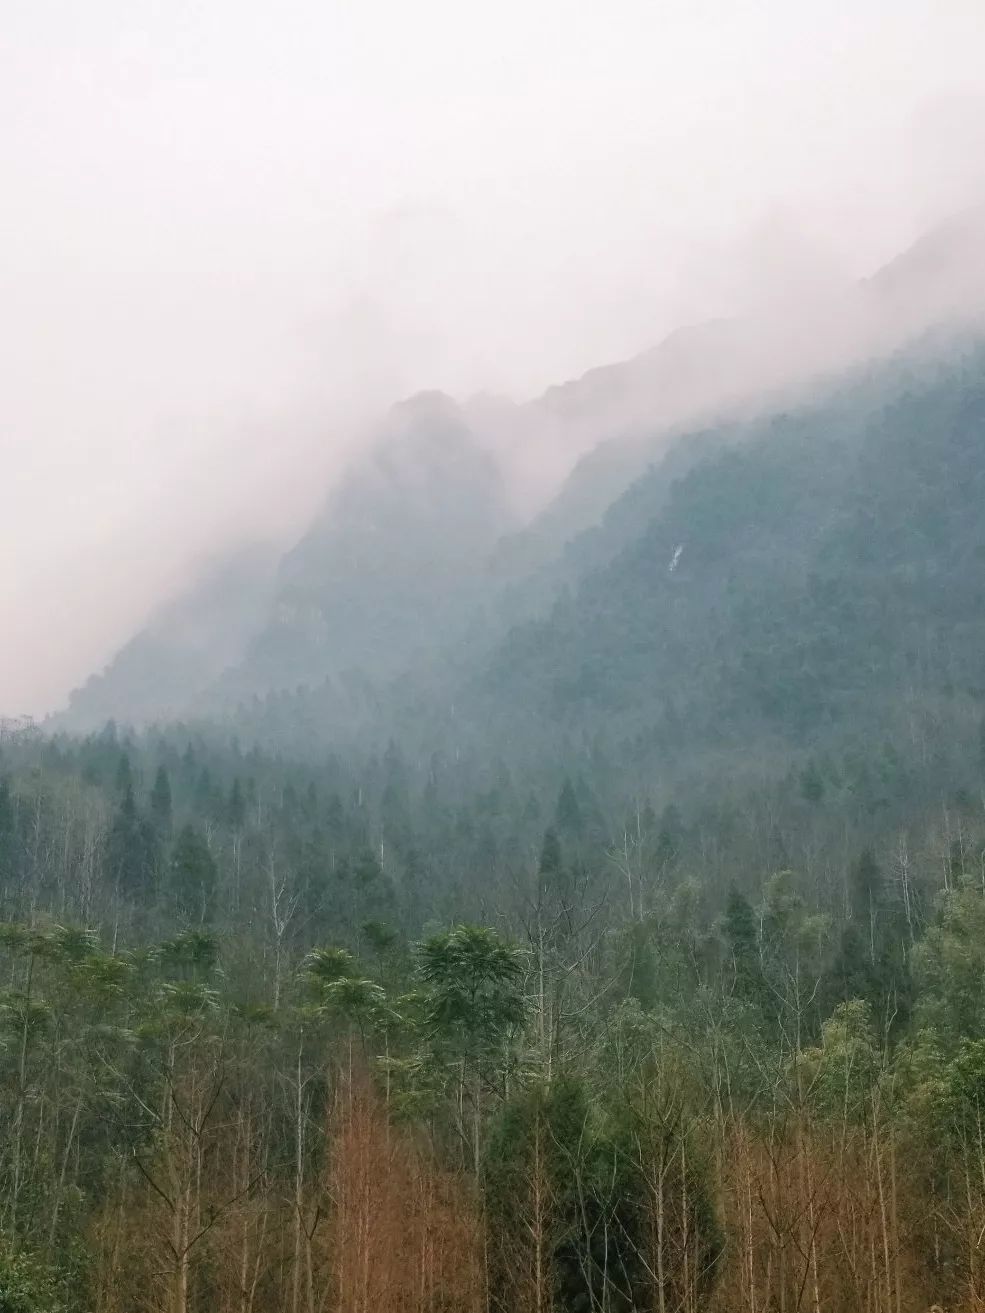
(325, 966)
(132, 848)
(28, 1286)
(161, 802)
(842, 1073)
(7, 831)
(474, 981)
(752, 727)
(192, 876)
(963, 1089)
(825, 577)
(597, 1162)
(950, 966)
(192, 952)
(361, 1003)
(744, 967)
(380, 937)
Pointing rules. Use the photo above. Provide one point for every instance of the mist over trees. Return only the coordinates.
(614, 941)
(437, 537)
(379, 1032)
(492, 657)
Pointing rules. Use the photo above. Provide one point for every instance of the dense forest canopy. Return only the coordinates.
(624, 952)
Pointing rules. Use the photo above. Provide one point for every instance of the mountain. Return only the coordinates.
(437, 541)
(571, 903)
(389, 567)
(384, 575)
(619, 418)
(824, 574)
(184, 647)
(812, 582)
(940, 278)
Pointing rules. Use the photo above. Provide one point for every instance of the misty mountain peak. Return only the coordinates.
(430, 406)
(941, 276)
(395, 564)
(422, 469)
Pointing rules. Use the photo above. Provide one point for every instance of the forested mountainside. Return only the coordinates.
(824, 571)
(428, 542)
(386, 574)
(178, 656)
(649, 974)
(612, 939)
(383, 1032)
(771, 590)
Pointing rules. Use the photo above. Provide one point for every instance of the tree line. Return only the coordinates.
(408, 1034)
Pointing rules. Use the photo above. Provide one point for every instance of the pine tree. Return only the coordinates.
(852, 975)
(568, 814)
(204, 795)
(192, 876)
(132, 848)
(160, 802)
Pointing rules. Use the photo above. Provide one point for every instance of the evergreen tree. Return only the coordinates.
(568, 814)
(124, 774)
(192, 875)
(203, 798)
(852, 975)
(160, 802)
(132, 849)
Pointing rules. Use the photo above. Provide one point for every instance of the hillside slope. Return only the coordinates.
(183, 648)
(389, 569)
(829, 570)
(422, 548)
(385, 572)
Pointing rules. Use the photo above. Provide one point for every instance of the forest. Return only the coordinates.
(624, 953)
(492, 656)
(385, 1035)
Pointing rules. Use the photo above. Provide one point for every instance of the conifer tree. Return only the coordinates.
(160, 802)
(193, 876)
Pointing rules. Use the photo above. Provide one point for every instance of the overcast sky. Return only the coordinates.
(232, 230)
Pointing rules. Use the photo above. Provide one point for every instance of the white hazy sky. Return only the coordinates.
(231, 230)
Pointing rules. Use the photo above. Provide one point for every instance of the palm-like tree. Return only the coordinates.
(475, 1004)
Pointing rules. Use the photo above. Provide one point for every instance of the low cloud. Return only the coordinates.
(234, 236)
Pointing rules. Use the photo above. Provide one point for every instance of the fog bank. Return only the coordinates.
(234, 235)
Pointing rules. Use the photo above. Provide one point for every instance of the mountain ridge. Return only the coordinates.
(427, 511)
